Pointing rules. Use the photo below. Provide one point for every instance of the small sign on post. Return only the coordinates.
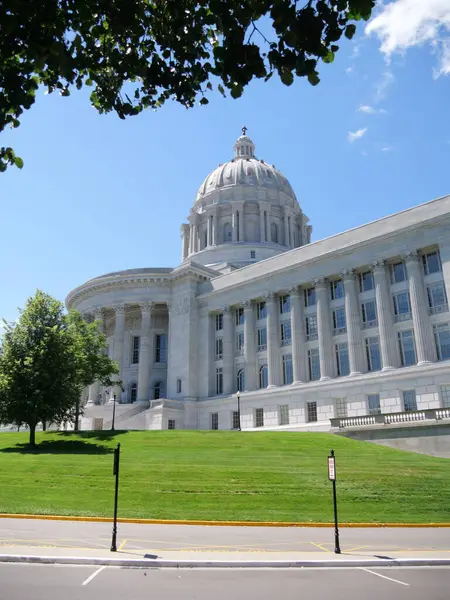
(332, 478)
(116, 497)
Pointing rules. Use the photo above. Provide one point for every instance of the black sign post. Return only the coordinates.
(116, 497)
(332, 478)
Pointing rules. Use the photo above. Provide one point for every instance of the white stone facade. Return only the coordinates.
(345, 326)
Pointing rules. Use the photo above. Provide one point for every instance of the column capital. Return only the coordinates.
(248, 304)
(411, 256)
(320, 282)
(99, 313)
(226, 309)
(294, 290)
(119, 309)
(146, 307)
(270, 296)
(378, 266)
(348, 274)
(87, 316)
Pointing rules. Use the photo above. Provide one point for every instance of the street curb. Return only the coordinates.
(218, 564)
(215, 523)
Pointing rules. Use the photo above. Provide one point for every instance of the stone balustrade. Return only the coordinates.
(430, 414)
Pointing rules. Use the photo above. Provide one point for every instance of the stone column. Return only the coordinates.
(353, 320)
(423, 331)
(388, 340)
(145, 352)
(249, 346)
(209, 228)
(234, 223)
(184, 241)
(119, 336)
(262, 232)
(324, 329)
(228, 351)
(292, 226)
(286, 227)
(94, 388)
(298, 336)
(273, 341)
(216, 227)
(191, 238)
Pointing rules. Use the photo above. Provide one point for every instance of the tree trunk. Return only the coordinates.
(77, 416)
(32, 435)
(44, 426)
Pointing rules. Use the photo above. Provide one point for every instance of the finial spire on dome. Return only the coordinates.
(244, 130)
(244, 147)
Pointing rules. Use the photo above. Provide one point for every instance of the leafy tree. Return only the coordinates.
(139, 53)
(46, 360)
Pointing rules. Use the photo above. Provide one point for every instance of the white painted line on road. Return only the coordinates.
(383, 576)
(91, 577)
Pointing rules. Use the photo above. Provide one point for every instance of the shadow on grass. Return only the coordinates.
(91, 435)
(59, 447)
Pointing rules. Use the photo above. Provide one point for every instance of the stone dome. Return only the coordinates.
(245, 169)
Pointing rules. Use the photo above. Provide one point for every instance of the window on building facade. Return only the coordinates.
(398, 272)
(205, 238)
(274, 233)
(342, 362)
(219, 322)
(311, 327)
(261, 310)
(240, 380)
(214, 421)
(240, 343)
(437, 297)
(133, 392)
(178, 386)
(157, 390)
(285, 304)
(431, 262)
(227, 233)
(286, 333)
(369, 313)
(310, 296)
(288, 374)
(235, 419)
(259, 417)
(263, 376)
(314, 364)
(161, 348)
(135, 346)
(219, 381)
(239, 316)
(252, 254)
(366, 281)
(284, 414)
(337, 289)
(402, 306)
(409, 400)
(340, 408)
(171, 424)
(445, 395)
(407, 348)
(442, 340)
(311, 412)
(219, 348)
(262, 339)
(373, 401)
(373, 354)
(339, 323)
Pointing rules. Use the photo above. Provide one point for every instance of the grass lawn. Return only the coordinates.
(271, 476)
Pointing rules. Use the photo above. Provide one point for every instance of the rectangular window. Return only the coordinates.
(310, 296)
(219, 381)
(286, 333)
(366, 281)
(235, 419)
(239, 316)
(178, 386)
(342, 362)
(259, 417)
(171, 424)
(214, 420)
(311, 412)
(135, 345)
(161, 348)
(252, 253)
(340, 408)
(445, 394)
(219, 322)
(240, 343)
(431, 262)
(407, 348)
(337, 289)
(402, 306)
(339, 323)
(288, 374)
(398, 272)
(373, 354)
(374, 404)
(262, 339)
(369, 313)
(219, 348)
(285, 304)
(311, 327)
(314, 364)
(409, 400)
(442, 339)
(261, 310)
(437, 297)
(284, 414)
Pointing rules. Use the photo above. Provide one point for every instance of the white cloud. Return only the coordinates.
(383, 85)
(349, 69)
(386, 149)
(402, 24)
(370, 110)
(356, 135)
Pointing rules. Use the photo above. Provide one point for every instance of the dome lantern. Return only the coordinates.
(244, 147)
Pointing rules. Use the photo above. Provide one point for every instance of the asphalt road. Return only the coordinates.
(19, 581)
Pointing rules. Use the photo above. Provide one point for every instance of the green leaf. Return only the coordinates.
(313, 78)
(350, 31)
(287, 77)
(18, 162)
(329, 58)
(204, 101)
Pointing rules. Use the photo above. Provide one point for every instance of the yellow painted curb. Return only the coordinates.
(215, 523)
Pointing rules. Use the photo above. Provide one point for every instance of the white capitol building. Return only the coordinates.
(353, 325)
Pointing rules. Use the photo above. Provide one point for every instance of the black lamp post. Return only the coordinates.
(114, 413)
(239, 410)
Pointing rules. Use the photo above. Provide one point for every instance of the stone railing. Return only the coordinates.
(164, 403)
(430, 414)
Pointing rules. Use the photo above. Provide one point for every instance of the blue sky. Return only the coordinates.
(98, 194)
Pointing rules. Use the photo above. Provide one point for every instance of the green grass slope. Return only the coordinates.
(212, 475)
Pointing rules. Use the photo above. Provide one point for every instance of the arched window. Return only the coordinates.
(263, 376)
(274, 233)
(227, 233)
(157, 390)
(205, 238)
(240, 380)
(133, 392)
